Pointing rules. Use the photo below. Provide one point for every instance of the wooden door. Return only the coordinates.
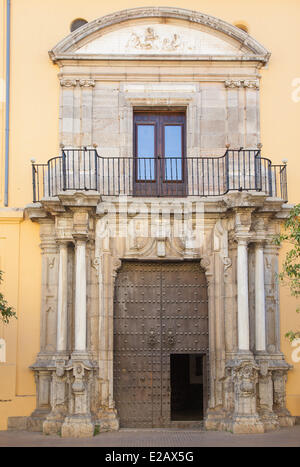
(159, 154)
(160, 309)
(184, 320)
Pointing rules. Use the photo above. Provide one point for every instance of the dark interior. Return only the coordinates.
(186, 394)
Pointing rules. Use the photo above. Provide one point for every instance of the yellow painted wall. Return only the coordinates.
(2, 96)
(20, 260)
(36, 27)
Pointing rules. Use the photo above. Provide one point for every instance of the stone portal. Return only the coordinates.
(160, 311)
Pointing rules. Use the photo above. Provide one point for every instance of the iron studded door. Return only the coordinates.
(159, 309)
(184, 321)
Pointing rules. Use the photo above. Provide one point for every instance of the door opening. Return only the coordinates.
(187, 386)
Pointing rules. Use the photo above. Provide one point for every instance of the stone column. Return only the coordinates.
(271, 253)
(272, 366)
(79, 423)
(62, 299)
(55, 418)
(242, 295)
(260, 311)
(106, 269)
(80, 293)
(265, 386)
(242, 369)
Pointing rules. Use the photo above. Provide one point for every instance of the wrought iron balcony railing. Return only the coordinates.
(84, 169)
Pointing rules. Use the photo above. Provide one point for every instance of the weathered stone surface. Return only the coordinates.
(107, 420)
(247, 424)
(242, 383)
(17, 423)
(52, 427)
(35, 423)
(77, 427)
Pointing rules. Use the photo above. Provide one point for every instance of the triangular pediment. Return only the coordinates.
(151, 33)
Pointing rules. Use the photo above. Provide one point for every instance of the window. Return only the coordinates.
(77, 23)
(159, 153)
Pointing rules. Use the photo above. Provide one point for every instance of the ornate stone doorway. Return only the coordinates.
(160, 318)
(96, 355)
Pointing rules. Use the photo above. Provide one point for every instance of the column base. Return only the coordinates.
(243, 424)
(216, 420)
(52, 427)
(285, 418)
(77, 426)
(269, 420)
(36, 419)
(246, 424)
(107, 420)
(53, 423)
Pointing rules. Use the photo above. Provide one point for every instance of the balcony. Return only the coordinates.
(83, 169)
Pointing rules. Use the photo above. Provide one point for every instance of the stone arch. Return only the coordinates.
(248, 47)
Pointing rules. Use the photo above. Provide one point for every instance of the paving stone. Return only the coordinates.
(285, 437)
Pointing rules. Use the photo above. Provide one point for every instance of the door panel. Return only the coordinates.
(184, 317)
(137, 313)
(159, 309)
(159, 154)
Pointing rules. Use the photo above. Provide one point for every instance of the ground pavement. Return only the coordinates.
(285, 437)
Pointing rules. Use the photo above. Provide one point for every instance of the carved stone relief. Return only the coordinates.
(160, 38)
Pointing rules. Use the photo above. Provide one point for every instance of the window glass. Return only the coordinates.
(145, 152)
(173, 152)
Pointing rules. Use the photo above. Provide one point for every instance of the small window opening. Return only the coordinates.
(77, 23)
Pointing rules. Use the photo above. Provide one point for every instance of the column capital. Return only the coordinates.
(271, 246)
(80, 238)
(258, 242)
(63, 242)
(243, 240)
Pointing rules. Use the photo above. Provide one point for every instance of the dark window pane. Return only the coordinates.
(77, 23)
